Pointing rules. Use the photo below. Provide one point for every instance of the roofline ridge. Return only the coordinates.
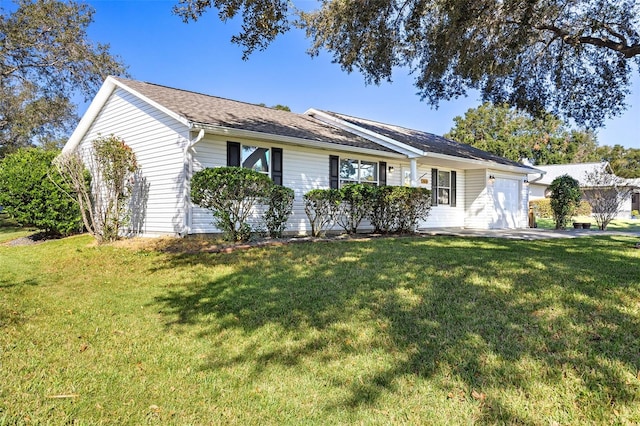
(124, 80)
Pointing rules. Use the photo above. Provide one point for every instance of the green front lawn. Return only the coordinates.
(435, 330)
(630, 225)
(10, 230)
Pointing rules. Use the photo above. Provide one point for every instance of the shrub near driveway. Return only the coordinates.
(412, 330)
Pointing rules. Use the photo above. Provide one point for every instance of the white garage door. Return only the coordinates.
(506, 202)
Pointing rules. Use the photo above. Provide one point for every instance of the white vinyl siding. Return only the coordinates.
(476, 199)
(445, 216)
(158, 142)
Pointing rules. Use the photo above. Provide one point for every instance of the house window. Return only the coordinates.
(444, 187)
(256, 158)
(358, 171)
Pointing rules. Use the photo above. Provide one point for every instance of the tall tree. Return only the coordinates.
(625, 162)
(517, 135)
(46, 59)
(573, 58)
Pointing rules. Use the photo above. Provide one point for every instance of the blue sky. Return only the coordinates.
(159, 48)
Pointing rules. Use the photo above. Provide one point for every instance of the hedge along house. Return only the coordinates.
(175, 133)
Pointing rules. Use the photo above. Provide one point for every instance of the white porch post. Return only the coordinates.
(414, 172)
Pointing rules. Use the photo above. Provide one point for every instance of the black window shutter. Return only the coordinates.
(452, 194)
(233, 154)
(434, 187)
(382, 173)
(334, 174)
(276, 165)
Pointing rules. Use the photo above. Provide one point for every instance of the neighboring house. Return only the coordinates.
(539, 184)
(175, 133)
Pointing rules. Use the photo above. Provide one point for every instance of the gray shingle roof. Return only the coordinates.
(577, 171)
(210, 110)
(427, 142)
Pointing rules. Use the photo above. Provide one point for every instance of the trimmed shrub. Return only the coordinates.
(355, 203)
(321, 207)
(279, 200)
(230, 193)
(542, 208)
(33, 192)
(398, 208)
(565, 196)
(413, 205)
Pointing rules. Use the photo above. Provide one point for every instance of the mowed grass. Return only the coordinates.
(10, 230)
(626, 225)
(435, 330)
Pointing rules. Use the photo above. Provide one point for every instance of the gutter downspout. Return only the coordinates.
(540, 176)
(188, 171)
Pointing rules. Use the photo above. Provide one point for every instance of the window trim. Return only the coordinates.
(435, 185)
(268, 158)
(375, 166)
(276, 159)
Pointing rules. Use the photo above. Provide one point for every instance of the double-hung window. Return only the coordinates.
(443, 187)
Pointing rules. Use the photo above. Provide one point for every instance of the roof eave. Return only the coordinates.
(289, 140)
(393, 144)
(487, 163)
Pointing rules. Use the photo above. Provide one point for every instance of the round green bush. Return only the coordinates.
(33, 193)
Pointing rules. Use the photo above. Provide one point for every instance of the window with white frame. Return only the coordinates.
(358, 171)
(256, 158)
(444, 187)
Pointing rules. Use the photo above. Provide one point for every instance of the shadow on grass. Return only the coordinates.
(477, 311)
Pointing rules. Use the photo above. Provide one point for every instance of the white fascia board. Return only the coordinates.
(154, 104)
(89, 116)
(405, 149)
(98, 103)
(288, 140)
(486, 163)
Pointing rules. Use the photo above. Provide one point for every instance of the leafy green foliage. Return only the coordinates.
(47, 59)
(231, 193)
(279, 201)
(565, 196)
(33, 192)
(625, 162)
(573, 58)
(321, 206)
(542, 208)
(113, 169)
(264, 20)
(355, 203)
(518, 135)
(103, 188)
(398, 208)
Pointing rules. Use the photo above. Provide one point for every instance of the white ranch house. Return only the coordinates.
(175, 133)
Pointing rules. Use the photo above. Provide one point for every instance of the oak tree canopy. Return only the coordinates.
(46, 60)
(572, 58)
